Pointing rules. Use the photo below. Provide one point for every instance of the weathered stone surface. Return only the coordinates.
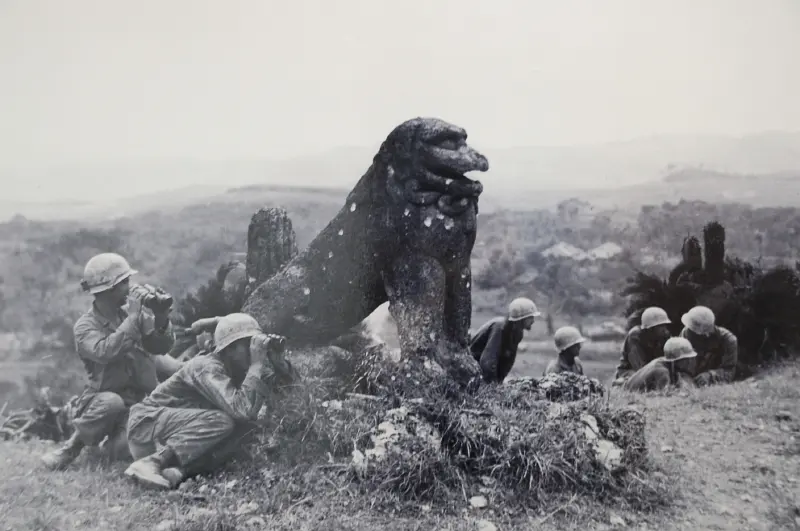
(404, 235)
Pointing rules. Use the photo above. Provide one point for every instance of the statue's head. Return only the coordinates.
(435, 155)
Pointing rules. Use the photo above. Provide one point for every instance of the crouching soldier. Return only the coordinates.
(195, 421)
(123, 355)
(717, 348)
(568, 342)
(671, 369)
(494, 345)
(643, 343)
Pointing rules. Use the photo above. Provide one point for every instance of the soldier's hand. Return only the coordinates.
(702, 379)
(258, 349)
(275, 353)
(134, 302)
(147, 321)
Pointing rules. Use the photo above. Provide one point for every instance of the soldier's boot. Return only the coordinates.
(62, 457)
(149, 471)
(174, 475)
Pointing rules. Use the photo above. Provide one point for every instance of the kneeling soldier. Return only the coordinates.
(191, 423)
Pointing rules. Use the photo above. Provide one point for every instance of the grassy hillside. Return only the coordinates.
(730, 452)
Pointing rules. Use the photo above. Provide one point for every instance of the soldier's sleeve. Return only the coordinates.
(552, 367)
(730, 353)
(490, 357)
(624, 367)
(159, 341)
(95, 344)
(242, 403)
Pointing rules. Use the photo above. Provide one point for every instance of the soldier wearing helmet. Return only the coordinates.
(122, 351)
(717, 347)
(568, 341)
(495, 344)
(670, 370)
(643, 343)
(193, 422)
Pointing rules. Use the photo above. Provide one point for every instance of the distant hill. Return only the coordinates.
(631, 172)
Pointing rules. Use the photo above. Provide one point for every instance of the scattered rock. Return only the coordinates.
(232, 483)
(485, 525)
(746, 498)
(606, 452)
(246, 508)
(666, 449)
(478, 502)
(616, 520)
(256, 521)
(724, 509)
(166, 525)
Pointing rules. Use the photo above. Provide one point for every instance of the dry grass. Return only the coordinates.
(725, 449)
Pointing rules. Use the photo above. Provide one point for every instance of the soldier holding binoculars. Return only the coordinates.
(193, 422)
(122, 351)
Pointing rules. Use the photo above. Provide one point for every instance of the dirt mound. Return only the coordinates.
(399, 429)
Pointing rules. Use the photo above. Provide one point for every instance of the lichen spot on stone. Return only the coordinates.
(330, 254)
(432, 335)
(341, 231)
(306, 291)
(467, 283)
(428, 221)
(447, 182)
(439, 216)
(389, 171)
(449, 223)
(406, 212)
(352, 207)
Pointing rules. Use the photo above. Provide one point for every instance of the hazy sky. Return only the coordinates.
(88, 80)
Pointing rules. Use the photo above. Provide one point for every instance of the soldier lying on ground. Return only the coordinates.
(643, 343)
(495, 344)
(195, 421)
(123, 355)
(672, 369)
(717, 348)
(568, 342)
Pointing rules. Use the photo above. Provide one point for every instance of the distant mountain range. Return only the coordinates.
(762, 169)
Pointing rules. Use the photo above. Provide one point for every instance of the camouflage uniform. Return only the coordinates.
(716, 355)
(199, 413)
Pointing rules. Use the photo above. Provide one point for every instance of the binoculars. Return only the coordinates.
(153, 298)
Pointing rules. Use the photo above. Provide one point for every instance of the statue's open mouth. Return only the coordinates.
(448, 155)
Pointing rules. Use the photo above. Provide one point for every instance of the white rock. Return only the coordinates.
(166, 525)
(485, 525)
(246, 508)
(616, 521)
(478, 502)
(256, 521)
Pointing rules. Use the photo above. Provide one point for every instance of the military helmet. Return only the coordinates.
(233, 327)
(104, 271)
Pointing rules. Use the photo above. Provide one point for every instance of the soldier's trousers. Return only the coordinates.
(99, 415)
(202, 439)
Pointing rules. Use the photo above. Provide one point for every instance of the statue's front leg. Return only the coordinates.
(415, 285)
(417, 288)
(458, 305)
